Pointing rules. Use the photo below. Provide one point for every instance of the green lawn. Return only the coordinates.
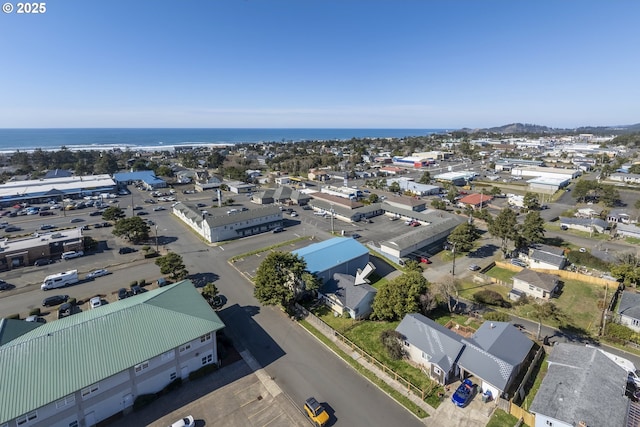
(502, 419)
(501, 274)
(578, 302)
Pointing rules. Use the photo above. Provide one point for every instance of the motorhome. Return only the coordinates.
(60, 280)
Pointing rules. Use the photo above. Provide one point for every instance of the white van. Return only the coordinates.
(71, 254)
(60, 280)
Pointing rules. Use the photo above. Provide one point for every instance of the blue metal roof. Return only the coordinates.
(147, 176)
(324, 255)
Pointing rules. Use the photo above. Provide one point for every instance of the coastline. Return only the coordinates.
(158, 139)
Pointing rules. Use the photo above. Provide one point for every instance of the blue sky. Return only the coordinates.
(321, 63)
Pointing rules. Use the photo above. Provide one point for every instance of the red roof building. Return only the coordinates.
(476, 201)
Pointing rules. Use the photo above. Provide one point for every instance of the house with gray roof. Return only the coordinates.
(585, 224)
(545, 257)
(582, 387)
(496, 354)
(345, 293)
(431, 346)
(85, 368)
(221, 225)
(629, 310)
(535, 284)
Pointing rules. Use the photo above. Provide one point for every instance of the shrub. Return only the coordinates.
(143, 400)
(490, 297)
(392, 342)
(205, 370)
(142, 282)
(497, 316)
(172, 386)
(146, 248)
(72, 301)
(35, 312)
(134, 283)
(619, 333)
(14, 316)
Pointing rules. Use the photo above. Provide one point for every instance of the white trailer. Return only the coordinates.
(60, 280)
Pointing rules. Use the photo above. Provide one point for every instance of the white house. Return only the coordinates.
(535, 284)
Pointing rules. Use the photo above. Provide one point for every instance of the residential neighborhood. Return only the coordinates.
(464, 276)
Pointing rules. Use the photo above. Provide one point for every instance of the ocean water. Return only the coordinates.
(12, 140)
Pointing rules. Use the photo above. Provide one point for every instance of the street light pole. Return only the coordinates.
(453, 266)
(332, 214)
(156, 238)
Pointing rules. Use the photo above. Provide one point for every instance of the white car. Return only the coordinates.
(95, 302)
(185, 422)
(98, 273)
(71, 254)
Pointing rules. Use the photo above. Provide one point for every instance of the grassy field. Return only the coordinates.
(501, 274)
(578, 303)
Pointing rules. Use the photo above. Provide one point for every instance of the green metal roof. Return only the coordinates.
(10, 329)
(66, 355)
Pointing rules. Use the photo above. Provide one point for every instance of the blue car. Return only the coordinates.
(464, 393)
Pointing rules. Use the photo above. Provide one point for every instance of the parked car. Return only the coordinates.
(76, 220)
(36, 319)
(98, 273)
(95, 302)
(159, 208)
(474, 267)
(126, 250)
(42, 261)
(518, 262)
(4, 286)
(54, 300)
(65, 310)
(123, 293)
(162, 282)
(71, 254)
(12, 228)
(464, 393)
(47, 227)
(46, 213)
(97, 226)
(137, 290)
(187, 421)
(141, 213)
(106, 224)
(137, 208)
(96, 213)
(424, 260)
(316, 411)
(277, 230)
(356, 236)
(201, 205)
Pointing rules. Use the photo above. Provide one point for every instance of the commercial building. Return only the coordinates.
(225, 225)
(23, 251)
(85, 368)
(338, 255)
(148, 179)
(543, 172)
(40, 190)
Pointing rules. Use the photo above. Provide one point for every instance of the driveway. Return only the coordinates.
(477, 413)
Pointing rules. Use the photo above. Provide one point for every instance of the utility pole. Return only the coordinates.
(453, 266)
(332, 214)
(156, 238)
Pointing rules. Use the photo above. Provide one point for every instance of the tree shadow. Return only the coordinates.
(555, 241)
(199, 280)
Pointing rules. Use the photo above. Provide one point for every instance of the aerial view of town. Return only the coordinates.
(319, 213)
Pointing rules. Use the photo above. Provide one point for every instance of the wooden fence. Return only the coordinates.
(563, 274)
